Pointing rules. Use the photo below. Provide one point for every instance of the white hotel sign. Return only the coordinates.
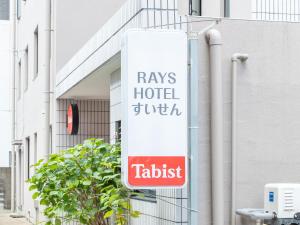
(154, 109)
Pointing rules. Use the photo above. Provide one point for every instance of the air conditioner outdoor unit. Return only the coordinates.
(282, 200)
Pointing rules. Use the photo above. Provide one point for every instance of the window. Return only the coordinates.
(145, 195)
(20, 167)
(118, 131)
(36, 52)
(19, 79)
(18, 9)
(4, 9)
(35, 149)
(26, 69)
(50, 140)
(28, 157)
(226, 8)
(195, 7)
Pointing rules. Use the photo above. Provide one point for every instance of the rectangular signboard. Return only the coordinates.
(154, 109)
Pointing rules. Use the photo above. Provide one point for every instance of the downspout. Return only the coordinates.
(215, 46)
(193, 130)
(47, 77)
(234, 59)
(13, 106)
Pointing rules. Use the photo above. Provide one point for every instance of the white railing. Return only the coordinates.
(276, 10)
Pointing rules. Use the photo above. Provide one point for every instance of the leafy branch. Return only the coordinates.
(83, 184)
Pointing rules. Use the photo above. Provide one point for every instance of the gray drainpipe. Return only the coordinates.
(234, 59)
(193, 130)
(215, 46)
(47, 78)
(13, 109)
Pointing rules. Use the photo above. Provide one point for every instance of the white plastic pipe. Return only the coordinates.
(47, 78)
(13, 105)
(215, 44)
(235, 59)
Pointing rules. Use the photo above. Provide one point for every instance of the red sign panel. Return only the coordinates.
(72, 119)
(155, 171)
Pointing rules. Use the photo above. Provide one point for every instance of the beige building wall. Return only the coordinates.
(268, 107)
(76, 22)
(5, 92)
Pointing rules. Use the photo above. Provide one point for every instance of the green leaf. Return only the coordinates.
(57, 221)
(135, 214)
(53, 193)
(108, 214)
(35, 195)
(125, 205)
(87, 183)
(68, 156)
(32, 187)
(38, 163)
(82, 219)
(88, 171)
(114, 197)
(44, 202)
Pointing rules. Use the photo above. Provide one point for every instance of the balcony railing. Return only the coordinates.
(276, 10)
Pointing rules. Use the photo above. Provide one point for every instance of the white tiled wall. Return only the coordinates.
(93, 122)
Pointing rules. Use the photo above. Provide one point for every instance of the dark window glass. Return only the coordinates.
(118, 131)
(28, 157)
(4, 9)
(145, 195)
(18, 8)
(36, 52)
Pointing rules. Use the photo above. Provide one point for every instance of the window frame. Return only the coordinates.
(28, 157)
(195, 11)
(35, 139)
(19, 89)
(26, 70)
(118, 131)
(36, 53)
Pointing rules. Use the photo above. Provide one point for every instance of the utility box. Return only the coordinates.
(282, 200)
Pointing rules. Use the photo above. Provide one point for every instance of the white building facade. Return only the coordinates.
(74, 57)
(5, 85)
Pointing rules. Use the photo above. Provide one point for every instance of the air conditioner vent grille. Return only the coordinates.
(289, 197)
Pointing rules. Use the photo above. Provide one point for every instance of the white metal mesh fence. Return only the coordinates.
(276, 10)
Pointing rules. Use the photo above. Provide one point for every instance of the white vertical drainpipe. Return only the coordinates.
(235, 59)
(13, 105)
(215, 44)
(47, 77)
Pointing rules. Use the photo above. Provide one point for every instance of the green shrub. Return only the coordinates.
(83, 184)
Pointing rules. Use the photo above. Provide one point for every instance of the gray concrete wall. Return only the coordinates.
(5, 185)
(76, 22)
(268, 109)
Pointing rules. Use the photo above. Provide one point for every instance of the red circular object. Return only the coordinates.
(72, 119)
